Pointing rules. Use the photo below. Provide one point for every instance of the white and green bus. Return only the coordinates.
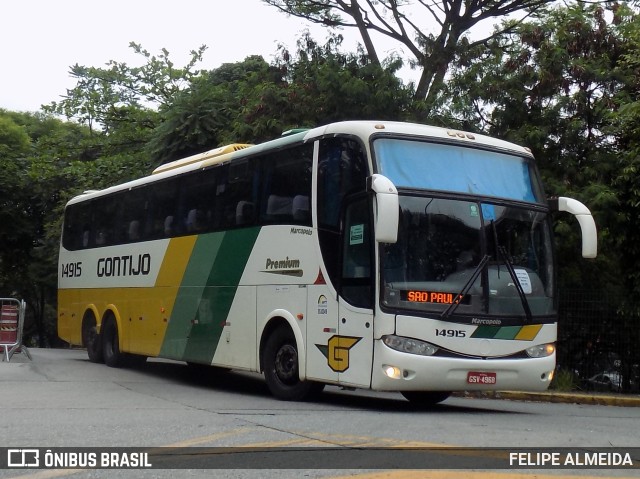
(378, 255)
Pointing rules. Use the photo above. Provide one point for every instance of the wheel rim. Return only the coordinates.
(286, 364)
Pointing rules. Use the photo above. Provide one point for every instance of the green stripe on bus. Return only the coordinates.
(486, 332)
(206, 294)
(506, 332)
(190, 294)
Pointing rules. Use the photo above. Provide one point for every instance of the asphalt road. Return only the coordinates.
(61, 400)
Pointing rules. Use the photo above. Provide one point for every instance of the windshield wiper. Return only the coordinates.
(523, 297)
(465, 289)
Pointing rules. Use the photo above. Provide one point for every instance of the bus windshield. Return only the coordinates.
(448, 246)
(498, 256)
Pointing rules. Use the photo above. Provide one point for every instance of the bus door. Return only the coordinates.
(353, 347)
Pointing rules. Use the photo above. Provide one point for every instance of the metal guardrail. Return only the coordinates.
(11, 325)
(598, 342)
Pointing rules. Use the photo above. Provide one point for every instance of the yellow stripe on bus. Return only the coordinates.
(528, 333)
(175, 261)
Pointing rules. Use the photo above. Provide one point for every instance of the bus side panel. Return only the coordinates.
(69, 316)
(206, 294)
(237, 345)
(145, 318)
(123, 276)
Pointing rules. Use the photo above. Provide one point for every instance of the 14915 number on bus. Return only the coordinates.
(72, 270)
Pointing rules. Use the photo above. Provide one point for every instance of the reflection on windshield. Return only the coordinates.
(425, 165)
(441, 245)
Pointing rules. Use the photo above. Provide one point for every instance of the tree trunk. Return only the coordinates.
(434, 70)
(364, 32)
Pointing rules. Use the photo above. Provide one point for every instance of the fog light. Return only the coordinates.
(541, 350)
(550, 375)
(392, 371)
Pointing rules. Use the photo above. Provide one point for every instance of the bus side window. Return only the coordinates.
(286, 183)
(300, 209)
(356, 282)
(245, 213)
(199, 190)
(134, 216)
(342, 171)
(163, 198)
(234, 195)
(77, 227)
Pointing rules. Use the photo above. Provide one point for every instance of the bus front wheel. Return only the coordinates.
(280, 359)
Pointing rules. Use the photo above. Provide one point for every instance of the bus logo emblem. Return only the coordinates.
(337, 351)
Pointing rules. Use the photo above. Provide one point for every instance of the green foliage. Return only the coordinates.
(14, 140)
(208, 113)
(101, 94)
(564, 381)
(626, 127)
(326, 85)
(555, 84)
(252, 101)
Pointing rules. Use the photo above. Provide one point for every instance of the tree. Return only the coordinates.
(252, 101)
(20, 218)
(101, 93)
(15, 231)
(327, 85)
(208, 113)
(399, 20)
(555, 84)
(626, 126)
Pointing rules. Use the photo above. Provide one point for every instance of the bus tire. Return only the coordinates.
(426, 398)
(280, 359)
(110, 345)
(91, 339)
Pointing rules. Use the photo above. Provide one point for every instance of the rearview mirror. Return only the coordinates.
(387, 208)
(585, 220)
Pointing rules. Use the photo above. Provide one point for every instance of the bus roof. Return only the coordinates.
(366, 129)
(361, 129)
(201, 157)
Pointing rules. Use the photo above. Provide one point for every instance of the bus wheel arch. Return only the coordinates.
(91, 337)
(280, 361)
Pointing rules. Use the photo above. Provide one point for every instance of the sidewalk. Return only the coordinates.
(595, 398)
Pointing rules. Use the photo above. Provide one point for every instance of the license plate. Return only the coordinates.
(474, 377)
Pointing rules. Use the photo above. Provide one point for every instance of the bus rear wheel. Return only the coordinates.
(110, 344)
(426, 398)
(280, 359)
(91, 339)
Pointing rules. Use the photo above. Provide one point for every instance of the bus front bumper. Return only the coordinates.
(397, 371)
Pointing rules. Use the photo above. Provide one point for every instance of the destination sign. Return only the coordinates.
(437, 297)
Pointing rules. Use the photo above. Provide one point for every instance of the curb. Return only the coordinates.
(558, 397)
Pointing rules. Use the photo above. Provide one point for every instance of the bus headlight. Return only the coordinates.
(541, 350)
(409, 345)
